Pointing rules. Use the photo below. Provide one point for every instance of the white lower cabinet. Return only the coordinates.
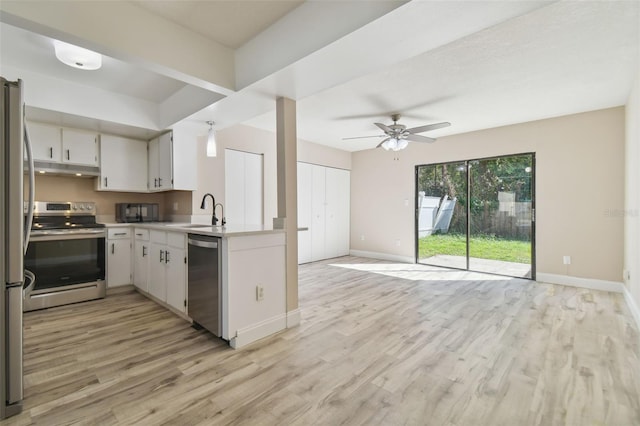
(118, 257)
(141, 259)
(168, 268)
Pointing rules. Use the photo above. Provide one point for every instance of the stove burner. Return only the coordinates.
(64, 216)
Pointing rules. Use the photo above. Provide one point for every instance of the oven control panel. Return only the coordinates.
(63, 208)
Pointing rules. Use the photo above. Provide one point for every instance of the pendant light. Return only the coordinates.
(212, 146)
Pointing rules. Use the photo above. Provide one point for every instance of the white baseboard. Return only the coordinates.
(258, 331)
(589, 283)
(633, 306)
(603, 285)
(382, 256)
(293, 318)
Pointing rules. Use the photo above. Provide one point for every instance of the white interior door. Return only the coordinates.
(304, 212)
(234, 187)
(253, 211)
(337, 225)
(243, 188)
(318, 214)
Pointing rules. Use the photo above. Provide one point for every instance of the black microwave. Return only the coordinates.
(137, 212)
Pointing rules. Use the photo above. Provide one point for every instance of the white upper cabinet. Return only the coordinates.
(79, 147)
(46, 142)
(172, 162)
(62, 145)
(123, 164)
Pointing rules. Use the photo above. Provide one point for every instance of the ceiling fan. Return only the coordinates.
(397, 136)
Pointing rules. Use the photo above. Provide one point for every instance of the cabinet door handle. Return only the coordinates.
(50, 152)
(113, 248)
(161, 256)
(106, 182)
(166, 256)
(120, 233)
(144, 251)
(68, 155)
(155, 182)
(160, 182)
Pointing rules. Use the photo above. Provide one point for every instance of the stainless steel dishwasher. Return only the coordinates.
(204, 278)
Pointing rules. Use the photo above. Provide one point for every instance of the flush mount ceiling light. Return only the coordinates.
(212, 146)
(77, 57)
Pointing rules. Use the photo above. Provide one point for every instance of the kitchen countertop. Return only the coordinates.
(194, 228)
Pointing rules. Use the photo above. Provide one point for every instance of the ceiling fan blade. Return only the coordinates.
(419, 138)
(364, 137)
(428, 127)
(384, 128)
(380, 144)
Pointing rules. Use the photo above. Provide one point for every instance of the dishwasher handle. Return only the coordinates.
(203, 244)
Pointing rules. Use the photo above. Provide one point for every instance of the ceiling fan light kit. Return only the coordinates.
(392, 144)
(398, 136)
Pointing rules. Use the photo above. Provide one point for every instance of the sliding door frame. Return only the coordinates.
(468, 211)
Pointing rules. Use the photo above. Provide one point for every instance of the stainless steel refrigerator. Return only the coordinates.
(14, 234)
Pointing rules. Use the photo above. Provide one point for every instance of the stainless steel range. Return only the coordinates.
(66, 254)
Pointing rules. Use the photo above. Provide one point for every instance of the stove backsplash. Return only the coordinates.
(74, 189)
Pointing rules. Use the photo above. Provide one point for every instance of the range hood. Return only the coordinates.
(65, 169)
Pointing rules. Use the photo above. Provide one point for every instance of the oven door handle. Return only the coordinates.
(52, 236)
(32, 278)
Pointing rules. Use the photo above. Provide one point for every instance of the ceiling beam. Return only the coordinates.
(127, 32)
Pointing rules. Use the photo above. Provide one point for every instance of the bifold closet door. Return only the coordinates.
(243, 188)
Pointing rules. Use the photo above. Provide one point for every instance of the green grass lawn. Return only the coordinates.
(479, 247)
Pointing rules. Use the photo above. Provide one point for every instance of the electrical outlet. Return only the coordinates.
(175, 207)
(361, 237)
(406, 202)
(397, 243)
(566, 260)
(259, 293)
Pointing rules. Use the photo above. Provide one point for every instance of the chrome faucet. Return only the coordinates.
(224, 221)
(214, 219)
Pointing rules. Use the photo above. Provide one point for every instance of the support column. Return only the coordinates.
(287, 160)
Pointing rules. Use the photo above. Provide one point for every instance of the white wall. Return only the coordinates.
(579, 189)
(632, 193)
(211, 171)
(321, 155)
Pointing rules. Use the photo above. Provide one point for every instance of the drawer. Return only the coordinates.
(159, 237)
(118, 233)
(177, 239)
(141, 234)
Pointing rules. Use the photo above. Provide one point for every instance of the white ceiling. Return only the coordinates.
(231, 23)
(565, 58)
(477, 65)
(28, 50)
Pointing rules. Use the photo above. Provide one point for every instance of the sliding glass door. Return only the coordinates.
(477, 215)
(500, 225)
(442, 214)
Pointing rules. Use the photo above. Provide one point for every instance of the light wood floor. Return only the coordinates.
(378, 344)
